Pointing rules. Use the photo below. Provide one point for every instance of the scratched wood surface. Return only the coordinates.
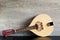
(17, 13)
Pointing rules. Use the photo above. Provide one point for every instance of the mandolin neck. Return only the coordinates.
(26, 28)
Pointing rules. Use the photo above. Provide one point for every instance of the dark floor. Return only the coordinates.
(30, 38)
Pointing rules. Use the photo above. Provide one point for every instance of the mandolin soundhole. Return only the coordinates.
(39, 26)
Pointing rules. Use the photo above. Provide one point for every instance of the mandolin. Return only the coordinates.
(41, 25)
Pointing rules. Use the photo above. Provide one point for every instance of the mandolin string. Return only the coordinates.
(29, 28)
(26, 28)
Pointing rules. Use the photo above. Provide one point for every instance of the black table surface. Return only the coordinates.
(30, 38)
